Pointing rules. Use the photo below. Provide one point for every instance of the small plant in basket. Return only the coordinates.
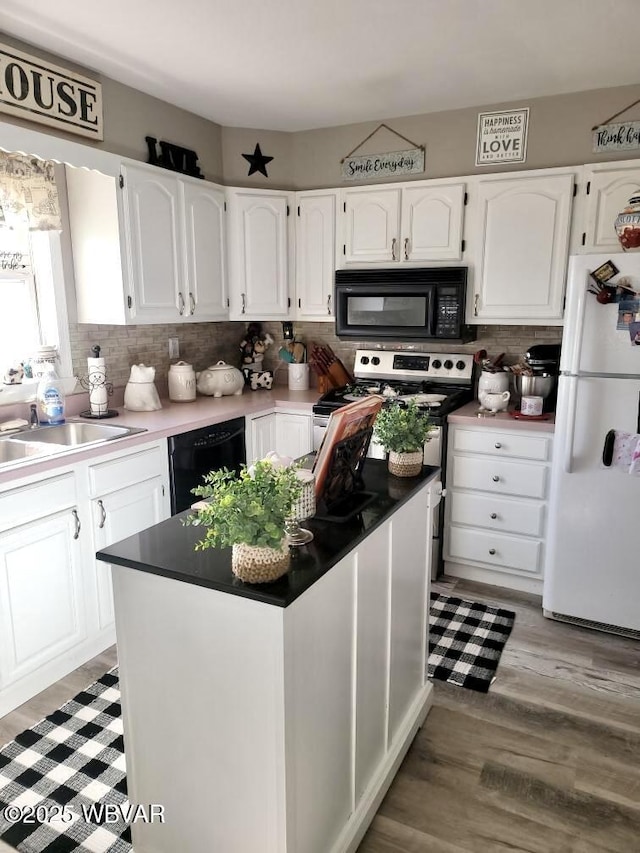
(402, 430)
(247, 510)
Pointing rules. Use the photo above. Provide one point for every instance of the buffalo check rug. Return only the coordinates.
(466, 640)
(63, 787)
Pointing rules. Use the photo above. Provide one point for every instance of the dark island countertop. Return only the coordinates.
(167, 548)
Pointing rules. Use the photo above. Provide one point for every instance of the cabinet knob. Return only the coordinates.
(495, 478)
(492, 551)
(494, 515)
(497, 445)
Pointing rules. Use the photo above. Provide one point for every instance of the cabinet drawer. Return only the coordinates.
(507, 515)
(495, 549)
(498, 476)
(46, 497)
(501, 443)
(126, 471)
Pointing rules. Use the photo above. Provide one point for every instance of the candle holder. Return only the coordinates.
(303, 508)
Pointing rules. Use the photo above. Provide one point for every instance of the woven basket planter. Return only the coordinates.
(405, 464)
(253, 564)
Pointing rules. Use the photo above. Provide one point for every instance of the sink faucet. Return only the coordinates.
(33, 416)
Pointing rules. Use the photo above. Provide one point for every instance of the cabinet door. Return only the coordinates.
(523, 238)
(263, 437)
(153, 235)
(432, 222)
(372, 225)
(258, 257)
(117, 516)
(610, 189)
(315, 254)
(206, 283)
(294, 435)
(41, 594)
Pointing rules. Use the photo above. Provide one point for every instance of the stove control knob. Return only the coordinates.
(448, 364)
(460, 365)
(375, 360)
(364, 359)
(437, 364)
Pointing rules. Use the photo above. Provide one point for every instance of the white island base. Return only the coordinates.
(266, 729)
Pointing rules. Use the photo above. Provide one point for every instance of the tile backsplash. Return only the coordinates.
(202, 344)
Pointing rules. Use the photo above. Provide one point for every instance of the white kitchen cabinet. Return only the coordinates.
(259, 246)
(262, 437)
(286, 433)
(608, 188)
(519, 234)
(497, 486)
(148, 247)
(315, 250)
(413, 223)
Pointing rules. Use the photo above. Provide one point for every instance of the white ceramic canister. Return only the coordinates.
(531, 406)
(182, 382)
(298, 377)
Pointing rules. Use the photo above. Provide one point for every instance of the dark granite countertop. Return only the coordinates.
(166, 549)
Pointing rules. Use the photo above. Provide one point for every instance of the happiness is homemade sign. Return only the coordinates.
(364, 166)
(502, 137)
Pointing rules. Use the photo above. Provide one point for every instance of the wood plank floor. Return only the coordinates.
(547, 762)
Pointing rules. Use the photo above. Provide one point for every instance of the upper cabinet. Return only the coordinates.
(147, 249)
(412, 223)
(608, 188)
(315, 253)
(259, 246)
(519, 240)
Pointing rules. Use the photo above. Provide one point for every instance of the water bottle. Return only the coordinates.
(50, 397)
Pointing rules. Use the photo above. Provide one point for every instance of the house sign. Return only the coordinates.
(502, 137)
(617, 137)
(39, 91)
(362, 167)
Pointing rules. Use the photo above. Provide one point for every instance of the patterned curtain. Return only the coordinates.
(28, 193)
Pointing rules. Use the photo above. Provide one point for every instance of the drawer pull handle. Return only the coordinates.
(492, 551)
(497, 445)
(495, 478)
(103, 514)
(78, 526)
(494, 515)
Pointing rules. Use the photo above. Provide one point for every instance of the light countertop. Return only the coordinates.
(470, 416)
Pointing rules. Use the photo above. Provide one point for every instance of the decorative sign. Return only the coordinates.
(173, 157)
(365, 166)
(502, 137)
(617, 137)
(40, 91)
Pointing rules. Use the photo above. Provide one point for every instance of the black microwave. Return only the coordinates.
(412, 304)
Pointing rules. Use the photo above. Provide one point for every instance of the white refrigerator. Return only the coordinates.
(592, 565)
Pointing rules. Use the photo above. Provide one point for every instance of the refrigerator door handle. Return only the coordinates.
(571, 426)
(607, 450)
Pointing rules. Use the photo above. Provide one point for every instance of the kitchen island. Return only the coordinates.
(272, 718)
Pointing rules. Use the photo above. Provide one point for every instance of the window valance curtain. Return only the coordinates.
(28, 193)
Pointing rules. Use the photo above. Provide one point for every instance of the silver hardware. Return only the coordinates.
(492, 551)
(74, 513)
(103, 514)
(329, 304)
(406, 248)
(181, 307)
(244, 304)
(34, 421)
(494, 515)
(193, 303)
(495, 478)
(475, 304)
(393, 249)
(497, 445)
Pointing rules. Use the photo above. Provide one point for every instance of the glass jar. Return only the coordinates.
(42, 360)
(627, 224)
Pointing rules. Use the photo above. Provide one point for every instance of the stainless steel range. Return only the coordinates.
(438, 382)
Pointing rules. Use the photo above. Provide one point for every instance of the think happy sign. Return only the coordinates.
(365, 166)
(42, 92)
(502, 137)
(617, 137)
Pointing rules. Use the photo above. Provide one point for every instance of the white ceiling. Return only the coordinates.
(300, 64)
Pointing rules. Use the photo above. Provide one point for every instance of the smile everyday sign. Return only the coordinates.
(39, 91)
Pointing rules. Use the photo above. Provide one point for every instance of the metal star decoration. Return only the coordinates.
(258, 162)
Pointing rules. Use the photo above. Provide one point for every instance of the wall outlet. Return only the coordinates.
(174, 348)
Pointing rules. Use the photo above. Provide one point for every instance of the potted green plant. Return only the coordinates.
(248, 510)
(402, 431)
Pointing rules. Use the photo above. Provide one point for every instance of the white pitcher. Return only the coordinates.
(494, 402)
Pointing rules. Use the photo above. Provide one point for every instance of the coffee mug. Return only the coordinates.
(531, 406)
(495, 402)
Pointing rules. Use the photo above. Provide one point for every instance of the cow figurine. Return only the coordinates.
(262, 379)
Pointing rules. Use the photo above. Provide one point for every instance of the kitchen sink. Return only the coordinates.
(13, 451)
(74, 434)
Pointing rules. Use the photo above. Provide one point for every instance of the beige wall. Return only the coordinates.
(130, 115)
(237, 141)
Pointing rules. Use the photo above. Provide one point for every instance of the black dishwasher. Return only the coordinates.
(193, 454)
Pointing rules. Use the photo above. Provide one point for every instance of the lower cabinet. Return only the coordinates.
(56, 604)
(497, 504)
(287, 434)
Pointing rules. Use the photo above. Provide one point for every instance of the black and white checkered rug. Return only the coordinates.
(466, 640)
(63, 787)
